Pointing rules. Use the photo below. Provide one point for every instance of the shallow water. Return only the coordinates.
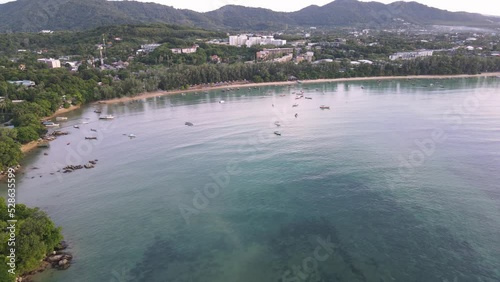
(400, 179)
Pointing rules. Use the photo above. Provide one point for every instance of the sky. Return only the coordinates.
(488, 7)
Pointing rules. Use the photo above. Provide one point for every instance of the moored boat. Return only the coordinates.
(323, 107)
(50, 124)
(107, 117)
(44, 144)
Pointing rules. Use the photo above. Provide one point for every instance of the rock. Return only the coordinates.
(55, 258)
(63, 262)
(62, 246)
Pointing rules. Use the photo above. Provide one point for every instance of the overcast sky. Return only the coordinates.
(489, 7)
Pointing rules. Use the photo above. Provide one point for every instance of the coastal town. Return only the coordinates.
(321, 110)
(345, 53)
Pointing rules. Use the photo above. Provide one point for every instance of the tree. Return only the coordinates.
(26, 134)
(36, 237)
(10, 153)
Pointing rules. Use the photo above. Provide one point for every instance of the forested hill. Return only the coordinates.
(36, 15)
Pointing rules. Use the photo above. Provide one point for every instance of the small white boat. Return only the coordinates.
(277, 133)
(222, 102)
(107, 117)
(76, 126)
(61, 118)
(295, 105)
(131, 135)
(277, 123)
(50, 124)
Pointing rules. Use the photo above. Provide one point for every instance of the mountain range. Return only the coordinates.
(36, 15)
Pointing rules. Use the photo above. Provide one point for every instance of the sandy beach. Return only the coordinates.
(25, 148)
(283, 83)
(28, 147)
(63, 111)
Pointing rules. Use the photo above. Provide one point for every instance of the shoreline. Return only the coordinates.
(28, 147)
(146, 95)
(25, 148)
(63, 111)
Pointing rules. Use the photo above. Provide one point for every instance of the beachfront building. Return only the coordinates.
(249, 41)
(268, 54)
(238, 40)
(411, 55)
(307, 56)
(286, 58)
(268, 40)
(51, 63)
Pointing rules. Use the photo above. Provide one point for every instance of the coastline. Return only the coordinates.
(284, 83)
(63, 111)
(25, 148)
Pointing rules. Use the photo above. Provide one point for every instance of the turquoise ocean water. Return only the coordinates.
(398, 181)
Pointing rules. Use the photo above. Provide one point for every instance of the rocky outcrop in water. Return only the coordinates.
(58, 259)
(71, 168)
(59, 133)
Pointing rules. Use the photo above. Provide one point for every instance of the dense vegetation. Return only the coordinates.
(36, 236)
(36, 15)
(164, 70)
(120, 41)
